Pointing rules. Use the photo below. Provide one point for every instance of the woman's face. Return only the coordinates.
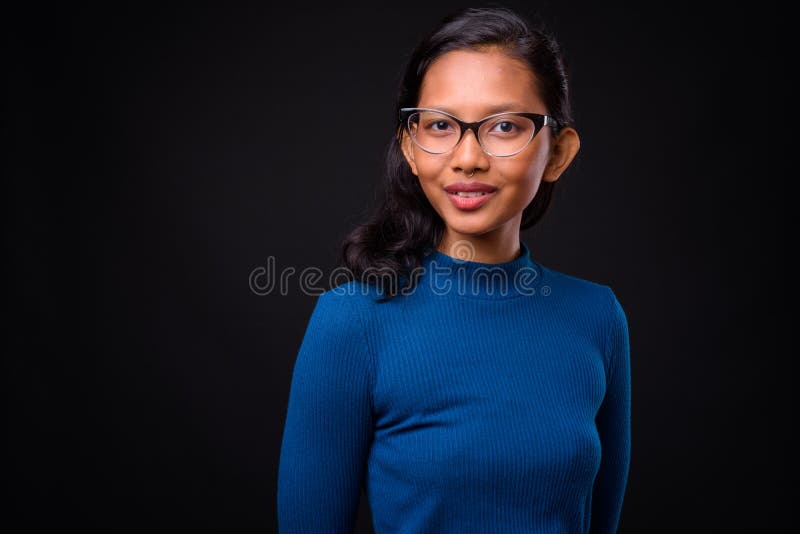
(470, 85)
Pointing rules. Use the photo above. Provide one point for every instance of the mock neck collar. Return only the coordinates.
(445, 275)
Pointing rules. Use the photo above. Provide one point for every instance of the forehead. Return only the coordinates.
(472, 84)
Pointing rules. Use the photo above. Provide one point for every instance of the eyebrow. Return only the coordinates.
(491, 110)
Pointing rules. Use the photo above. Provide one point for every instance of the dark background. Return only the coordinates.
(155, 156)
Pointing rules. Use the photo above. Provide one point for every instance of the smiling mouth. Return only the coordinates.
(471, 200)
(469, 195)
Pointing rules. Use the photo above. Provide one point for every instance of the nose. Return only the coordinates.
(469, 155)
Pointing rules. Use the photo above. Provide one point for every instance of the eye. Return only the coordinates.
(437, 124)
(506, 126)
(509, 126)
(440, 125)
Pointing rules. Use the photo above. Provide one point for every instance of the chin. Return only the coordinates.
(478, 226)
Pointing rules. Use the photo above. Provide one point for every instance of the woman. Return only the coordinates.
(466, 386)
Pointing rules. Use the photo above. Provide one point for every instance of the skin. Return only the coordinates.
(468, 83)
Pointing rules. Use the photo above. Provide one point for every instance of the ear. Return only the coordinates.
(408, 151)
(564, 149)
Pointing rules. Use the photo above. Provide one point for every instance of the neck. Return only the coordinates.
(499, 246)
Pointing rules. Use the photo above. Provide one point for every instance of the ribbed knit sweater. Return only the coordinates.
(493, 398)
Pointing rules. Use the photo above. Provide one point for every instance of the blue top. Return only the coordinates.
(491, 398)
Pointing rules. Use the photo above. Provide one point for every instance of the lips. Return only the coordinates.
(470, 196)
(471, 187)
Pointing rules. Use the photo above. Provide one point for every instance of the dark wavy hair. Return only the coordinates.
(386, 250)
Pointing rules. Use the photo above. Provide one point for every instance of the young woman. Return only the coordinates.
(465, 386)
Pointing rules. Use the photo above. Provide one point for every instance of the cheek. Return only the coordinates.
(529, 171)
(431, 172)
(429, 168)
(523, 176)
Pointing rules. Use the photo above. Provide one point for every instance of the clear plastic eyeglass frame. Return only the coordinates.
(539, 121)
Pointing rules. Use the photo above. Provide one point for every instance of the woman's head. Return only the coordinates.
(478, 62)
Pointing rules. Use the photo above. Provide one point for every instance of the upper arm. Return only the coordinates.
(613, 422)
(328, 427)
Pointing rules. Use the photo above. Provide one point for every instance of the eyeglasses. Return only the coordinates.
(501, 135)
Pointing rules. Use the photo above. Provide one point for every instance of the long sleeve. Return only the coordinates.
(613, 425)
(328, 428)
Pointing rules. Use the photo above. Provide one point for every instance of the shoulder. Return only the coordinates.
(344, 301)
(349, 297)
(336, 328)
(344, 309)
(334, 359)
(592, 301)
(578, 290)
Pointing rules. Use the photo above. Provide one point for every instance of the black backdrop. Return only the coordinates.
(155, 156)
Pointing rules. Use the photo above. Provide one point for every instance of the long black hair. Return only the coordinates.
(392, 242)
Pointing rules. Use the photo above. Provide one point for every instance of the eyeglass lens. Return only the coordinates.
(501, 135)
